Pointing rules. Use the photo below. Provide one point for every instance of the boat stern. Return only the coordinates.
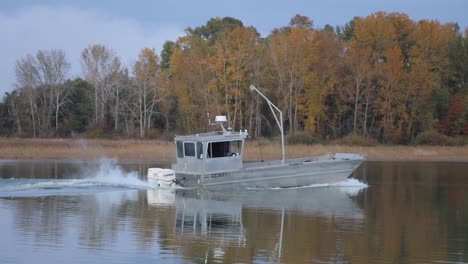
(162, 177)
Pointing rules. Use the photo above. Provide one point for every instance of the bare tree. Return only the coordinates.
(117, 77)
(146, 93)
(53, 66)
(101, 68)
(14, 110)
(41, 79)
(26, 81)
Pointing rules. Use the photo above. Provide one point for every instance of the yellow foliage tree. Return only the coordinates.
(293, 51)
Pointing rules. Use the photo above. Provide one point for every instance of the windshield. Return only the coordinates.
(224, 149)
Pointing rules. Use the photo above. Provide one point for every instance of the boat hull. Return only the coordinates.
(293, 173)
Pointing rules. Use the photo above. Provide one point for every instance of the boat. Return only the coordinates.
(214, 160)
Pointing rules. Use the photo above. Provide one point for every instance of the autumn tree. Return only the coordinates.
(383, 76)
(292, 52)
(209, 67)
(322, 117)
(358, 60)
(372, 36)
(391, 93)
(428, 61)
(231, 64)
(191, 79)
(453, 122)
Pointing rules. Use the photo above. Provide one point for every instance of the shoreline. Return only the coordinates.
(159, 150)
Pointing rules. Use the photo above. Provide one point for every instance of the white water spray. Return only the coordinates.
(108, 172)
(349, 186)
(104, 175)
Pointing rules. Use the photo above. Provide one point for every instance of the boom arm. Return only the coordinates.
(274, 109)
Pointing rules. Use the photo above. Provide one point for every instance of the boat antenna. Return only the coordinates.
(260, 148)
(274, 109)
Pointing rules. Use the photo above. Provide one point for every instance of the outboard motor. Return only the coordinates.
(162, 177)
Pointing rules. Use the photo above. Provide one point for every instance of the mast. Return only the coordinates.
(279, 121)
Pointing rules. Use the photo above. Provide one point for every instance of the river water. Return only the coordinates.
(104, 212)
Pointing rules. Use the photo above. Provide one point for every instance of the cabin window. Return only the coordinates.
(189, 149)
(224, 149)
(180, 149)
(199, 150)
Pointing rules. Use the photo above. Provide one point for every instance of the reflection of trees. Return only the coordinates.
(43, 219)
(98, 224)
(152, 223)
(307, 234)
(412, 212)
(410, 216)
(306, 238)
(103, 221)
(99, 219)
(37, 169)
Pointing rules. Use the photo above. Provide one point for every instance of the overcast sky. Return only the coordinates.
(127, 26)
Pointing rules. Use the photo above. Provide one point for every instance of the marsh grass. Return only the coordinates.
(12, 148)
(85, 149)
(374, 153)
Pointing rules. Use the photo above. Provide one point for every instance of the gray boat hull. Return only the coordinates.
(294, 172)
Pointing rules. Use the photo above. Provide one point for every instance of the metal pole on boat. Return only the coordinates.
(279, 122)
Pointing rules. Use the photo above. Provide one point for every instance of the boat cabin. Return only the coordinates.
(209, 152)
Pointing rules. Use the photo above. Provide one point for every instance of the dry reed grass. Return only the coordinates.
(374, 153)
(13, 148)
(85, 149)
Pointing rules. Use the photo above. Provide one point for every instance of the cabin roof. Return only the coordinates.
(214, 136)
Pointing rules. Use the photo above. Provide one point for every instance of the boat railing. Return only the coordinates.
(226, 134)
(289, 162)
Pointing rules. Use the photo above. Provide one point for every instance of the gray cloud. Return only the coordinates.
(71, 29)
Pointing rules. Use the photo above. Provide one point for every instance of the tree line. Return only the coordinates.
(384, 77)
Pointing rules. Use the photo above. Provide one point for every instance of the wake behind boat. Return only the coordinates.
(215, 160)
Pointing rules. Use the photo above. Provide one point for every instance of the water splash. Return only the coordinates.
(349, 186)
(351, 182)
(105, 175)
(108, 172)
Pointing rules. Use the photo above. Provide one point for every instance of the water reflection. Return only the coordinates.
(411, 213)
(235, 219)
(416, 211)
(195, 225)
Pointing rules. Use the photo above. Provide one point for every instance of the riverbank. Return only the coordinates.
(165, 150)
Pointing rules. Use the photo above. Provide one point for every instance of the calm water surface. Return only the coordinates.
(104, 212)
